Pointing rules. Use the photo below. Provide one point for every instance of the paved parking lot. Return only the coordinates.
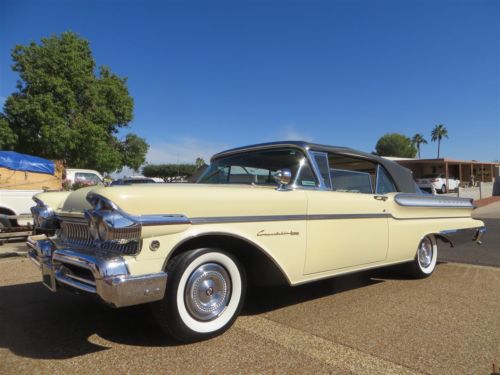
(372, 322)
(488, 254)
(375, 322)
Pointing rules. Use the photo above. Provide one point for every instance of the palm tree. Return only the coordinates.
(417, 140)
(439, 132)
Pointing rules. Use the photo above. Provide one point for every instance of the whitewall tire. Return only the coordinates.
(425, 258)
(205, 293)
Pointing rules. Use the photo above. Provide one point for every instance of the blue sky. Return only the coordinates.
(211, 75)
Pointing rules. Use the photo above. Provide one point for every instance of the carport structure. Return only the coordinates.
(469, 172)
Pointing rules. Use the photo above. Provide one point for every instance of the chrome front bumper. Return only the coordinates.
(458, 237)
(102, 274)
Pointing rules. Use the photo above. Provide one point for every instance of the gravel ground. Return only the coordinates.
(376, 322)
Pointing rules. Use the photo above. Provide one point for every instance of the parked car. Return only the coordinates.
(83, 175)
(438, 182)
(284, 212)
(131, 181)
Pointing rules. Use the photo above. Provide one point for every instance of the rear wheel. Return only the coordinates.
(205, 293)
(425, 258)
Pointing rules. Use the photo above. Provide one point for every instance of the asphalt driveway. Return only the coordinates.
(376, 323)
(487, 254)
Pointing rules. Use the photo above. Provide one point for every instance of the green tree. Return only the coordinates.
(417, 140)
(199, 163)
(394, 144)
(7, 136)
(439, 132)
(64, 110)
(169, 172)
(134, 150)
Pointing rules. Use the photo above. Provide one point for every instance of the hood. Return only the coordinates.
(196, 200)
(76, 201)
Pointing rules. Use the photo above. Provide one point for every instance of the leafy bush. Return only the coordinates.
(169, 172)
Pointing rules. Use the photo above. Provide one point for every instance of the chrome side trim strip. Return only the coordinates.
(181, 219)
(255, 219)
(430, 218)
(415, 200)
(149, 220)
(245, 219)
(346, 216)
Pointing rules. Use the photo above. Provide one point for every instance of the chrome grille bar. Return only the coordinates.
(76, 233)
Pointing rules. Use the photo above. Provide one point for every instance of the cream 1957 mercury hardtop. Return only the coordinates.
(289, 212)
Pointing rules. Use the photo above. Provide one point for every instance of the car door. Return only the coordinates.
(347, 222)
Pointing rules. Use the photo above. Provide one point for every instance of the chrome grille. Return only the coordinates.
(76, 233)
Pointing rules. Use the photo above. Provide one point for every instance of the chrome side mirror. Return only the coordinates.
(283, 178)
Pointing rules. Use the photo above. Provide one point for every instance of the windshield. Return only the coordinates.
(259, 168)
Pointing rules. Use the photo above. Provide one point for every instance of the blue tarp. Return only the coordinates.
(22, 162)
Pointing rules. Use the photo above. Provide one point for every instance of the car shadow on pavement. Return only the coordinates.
(36, 323)
(263, 299)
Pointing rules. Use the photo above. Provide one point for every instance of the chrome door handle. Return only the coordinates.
(380, 197)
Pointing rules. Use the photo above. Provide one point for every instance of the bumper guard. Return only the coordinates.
(458, 237)
(106, 275)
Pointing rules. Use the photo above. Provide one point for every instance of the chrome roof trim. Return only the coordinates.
(303, 146)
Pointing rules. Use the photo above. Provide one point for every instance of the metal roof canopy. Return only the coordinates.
(454, 162)
(449, 161)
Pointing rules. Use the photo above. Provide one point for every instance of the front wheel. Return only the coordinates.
(443, 189)
(425, 259)
(205, 293)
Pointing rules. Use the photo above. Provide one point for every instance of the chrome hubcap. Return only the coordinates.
(207, 291)
(425, 253)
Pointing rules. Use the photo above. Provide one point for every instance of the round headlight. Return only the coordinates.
(46, 213)
(43, 216)
(103, 230)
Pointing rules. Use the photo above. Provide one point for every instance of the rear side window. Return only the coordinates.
(352, 181)
(352, 175)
